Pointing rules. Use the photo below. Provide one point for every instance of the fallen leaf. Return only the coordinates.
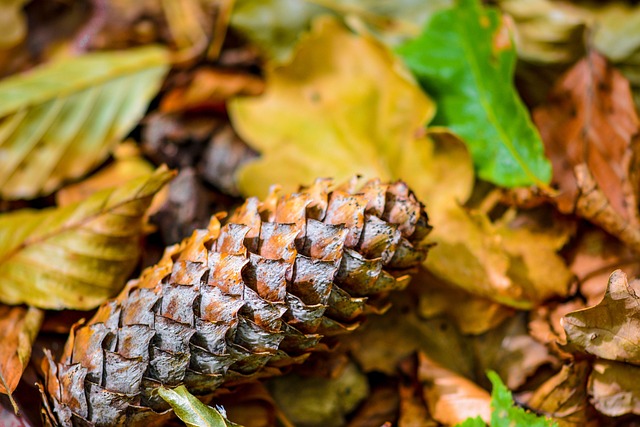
(61, 120)
(210, 87)
(250, 405)
(471, 314)
(328, 132)
(450, 397)
(594, 255)
(614, 388)
(545, 323)
(413, 412)
(193, 412)
(12, 22)
(461, 60)
(277, 25)
(128, 165)
(513, 261)
(564, 396)
(78, 255)
(380, 406)
(18, 329)
(509, 350)
(591, 131)
(547, 31)
(384, 341)
(337, 85)
(609, 330)
(317, 401)
(505, 414)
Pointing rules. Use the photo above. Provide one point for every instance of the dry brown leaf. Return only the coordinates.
(545, 322)
(210, 88)
(596, 254)
(510, 351)
(590, 123)
(413, 412)
(614, 388)
(564, 396)
(451, 398)
(380, 406)
(18, 329)
(611, 329)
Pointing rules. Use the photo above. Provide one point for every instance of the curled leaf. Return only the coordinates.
(451, 398)
(192, 411)
(61, 120)
(78, 255)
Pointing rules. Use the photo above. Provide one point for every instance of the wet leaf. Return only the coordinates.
(78, 255)
(590, 129)
(464, 59)
(18, 329)
(61, 120)
(611, 329)
(564, 396)
(193, 412)
(450, 397)
(614, 388)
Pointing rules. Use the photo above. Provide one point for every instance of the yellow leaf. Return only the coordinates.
(344, 105)
(61, 120)
(78, 255)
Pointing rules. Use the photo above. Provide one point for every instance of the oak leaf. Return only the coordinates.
(614, 388)
(611, 329)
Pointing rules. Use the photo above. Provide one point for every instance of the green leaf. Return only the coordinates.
(504, 412)
(193, 412)
(78, 255)
(465, 61)
(60, 120)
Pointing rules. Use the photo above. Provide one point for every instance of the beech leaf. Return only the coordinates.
(611, 329)
(192, 411)
(465, 60)
(19, 327)
(78, 255)
(61, 120)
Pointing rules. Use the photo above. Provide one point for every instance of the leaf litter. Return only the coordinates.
(517, 290)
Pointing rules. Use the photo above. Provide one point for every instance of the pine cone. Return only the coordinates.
(239, 301)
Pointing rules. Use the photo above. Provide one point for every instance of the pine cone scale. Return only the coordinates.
(239, 301)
